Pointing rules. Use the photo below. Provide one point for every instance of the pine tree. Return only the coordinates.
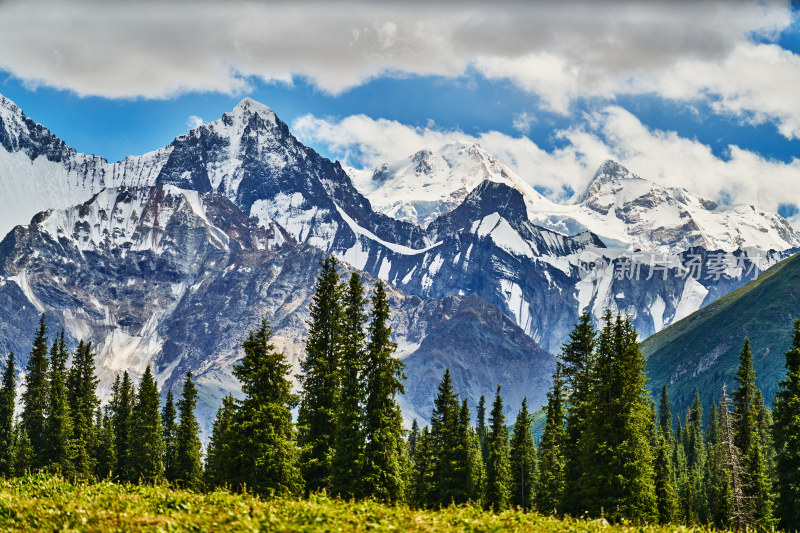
(222, 446)
(170, 429)
(551, 481)
(665, 415)
(105, 449)
(694, 503)
(764, 420)
(470, 452)
(578, 358)
(58, 426)
(413, 438)
(188, 465)
(266, 457)
(666, 498)
(497, 467)
(423, 487)
(321, 380)
(23, 451)
(480, 427)
(759, 486)
(8, 394)
(83, 407)
(122, 421)
(522, 460)
(384, 453)
(786, 438)
(147, 455)
(619, 477)
(732, 509)
(744, 420)
(348, 458)
(444, 441)
(36, 397)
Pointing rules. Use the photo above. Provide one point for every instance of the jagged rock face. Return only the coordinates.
(166, 277)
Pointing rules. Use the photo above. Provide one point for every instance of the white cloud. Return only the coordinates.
(194, 121)
(559, 51)
(613, 133)
(522, 122)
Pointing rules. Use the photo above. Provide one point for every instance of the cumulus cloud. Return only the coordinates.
(612, 133)
(194, 121)
(558, 51)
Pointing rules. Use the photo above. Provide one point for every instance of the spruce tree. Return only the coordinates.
(413, 438)
(423, 487)
(188, 465)
(222, 445)
(732, 509)
(105, 459)
(147, 456)
(744, 420)
(169, 427)
(58, 426)
(619, 477)
(384, 453)
(786, 438)
(551, 479)
(83, 406)
(471, 471)
(480, 427)
(321, 380)
(522, 460)
(693, 497)
(122, 421)
(759, 486)
(8, 394)
(666, 498)
(578, 358)
(23, 451)
(348, 458)
(665, 414)
(266, 457)
(444, 441)
(497, 467)
(36, 397)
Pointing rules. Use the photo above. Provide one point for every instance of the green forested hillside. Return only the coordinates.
(701, 350)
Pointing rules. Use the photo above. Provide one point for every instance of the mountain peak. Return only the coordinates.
(248, 106)
(609, 172)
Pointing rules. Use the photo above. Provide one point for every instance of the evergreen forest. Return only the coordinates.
(609, 450)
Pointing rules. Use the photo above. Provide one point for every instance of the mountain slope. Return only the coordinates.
(701, 351)
(167, 277)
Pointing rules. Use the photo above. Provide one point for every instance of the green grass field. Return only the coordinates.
(43, 503)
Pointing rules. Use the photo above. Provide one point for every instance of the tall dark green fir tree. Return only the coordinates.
(169, 426)
(551, 479)
(449, 488)
(522, 460)
(8, 394)
(58, 426)
(786, 438)
(665, 415)
(578, 358)
(480, 426)
(666, 497)
(147, 456)
(266, 457)
(36, 397)
(497, 467)
(83, 406)
(122, 422)
(321, 380)
(619, 480)
(188, 465)
(413, 438)
(384, 453)
(349, 440)
(423, 487)
(222, 445)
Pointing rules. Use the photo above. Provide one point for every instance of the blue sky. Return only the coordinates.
(699, 95)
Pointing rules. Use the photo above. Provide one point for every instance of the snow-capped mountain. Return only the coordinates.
(166, 277)
(171, 256)
(624, 210)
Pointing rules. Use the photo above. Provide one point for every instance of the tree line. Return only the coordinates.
(606, 450)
